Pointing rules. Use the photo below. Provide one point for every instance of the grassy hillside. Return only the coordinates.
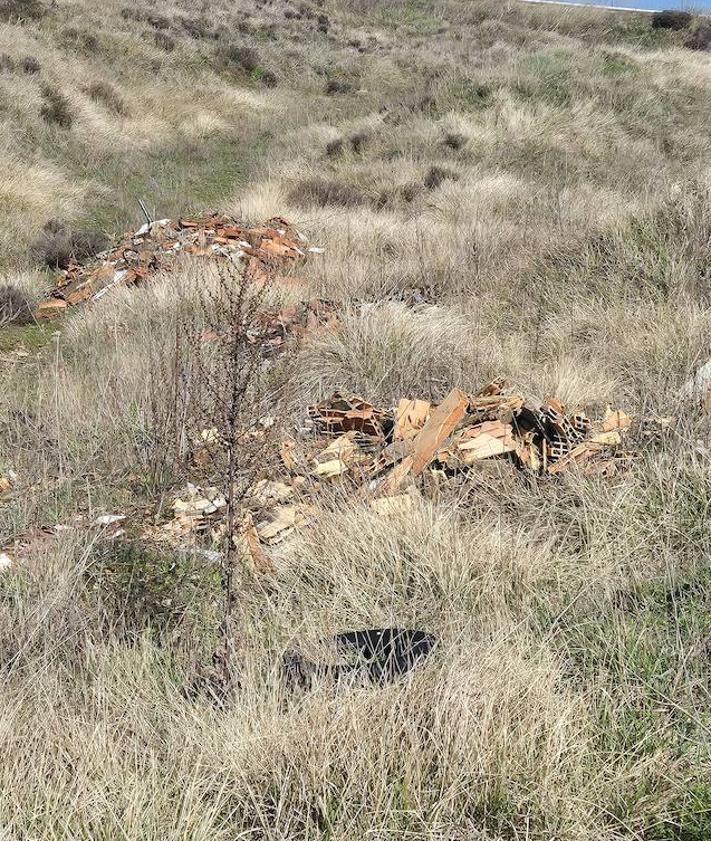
(541, 178)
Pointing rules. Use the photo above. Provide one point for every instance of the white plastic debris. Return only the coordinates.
(5, 562)
(109, 519)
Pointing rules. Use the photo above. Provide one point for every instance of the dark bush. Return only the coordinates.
(670, 19)
(56, 109)
(52, 247)
(7, 63)
(79, 39)
(30, 65)
(322, 192)
(334, 147)
(107, 95)
(324, 23)
(197, 28)
(292, 14)
(455, 141)
(392, 198)
(245, 57)
(56, 246)
(410, 192)
(13, 10)
(436, 175)
(164, 41)
(270, 79)
(158, 21)
(358, 141)
(427, 105)
(15, 305)
(700, 38)
(338, 86)
(133, 13)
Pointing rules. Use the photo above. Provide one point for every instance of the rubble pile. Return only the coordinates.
(379, 451)
(263, 252)
(540, 437)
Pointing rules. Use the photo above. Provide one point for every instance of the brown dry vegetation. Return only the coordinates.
(544, 174)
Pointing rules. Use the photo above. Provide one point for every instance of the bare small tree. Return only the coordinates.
(208, 393)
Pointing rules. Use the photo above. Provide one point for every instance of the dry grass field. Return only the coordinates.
(542, 175)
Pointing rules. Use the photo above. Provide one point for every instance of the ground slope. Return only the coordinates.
(540, 178)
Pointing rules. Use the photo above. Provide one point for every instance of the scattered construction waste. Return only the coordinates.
(8, 483)
(201, 513)
(265, 253)
(378, 452)
(295, 322)
(379, 655)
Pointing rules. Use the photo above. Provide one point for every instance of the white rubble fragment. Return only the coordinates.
(698, 386)
(5, 562)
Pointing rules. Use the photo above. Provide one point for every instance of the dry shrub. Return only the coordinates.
(241, 56)
(57, 109)
(335, 147)
(15, 305)
(57, 245)
(436, 175)
(358, 141)
(21, 10)
(318, 191)
(132, 13)
(164, 41)
(109, 96)
(198, 27)
(671, 19)
(700, 38)
(30, 65)
(453, 140)
(269, 79)
(340, 86)
(80, 39)
(158, 21)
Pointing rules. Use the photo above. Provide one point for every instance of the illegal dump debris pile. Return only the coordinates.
(376, 453)
(262, 251)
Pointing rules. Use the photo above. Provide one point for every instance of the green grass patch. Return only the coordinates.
(28, 336)
(616, 64)
(164, 592)
(192, 177)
